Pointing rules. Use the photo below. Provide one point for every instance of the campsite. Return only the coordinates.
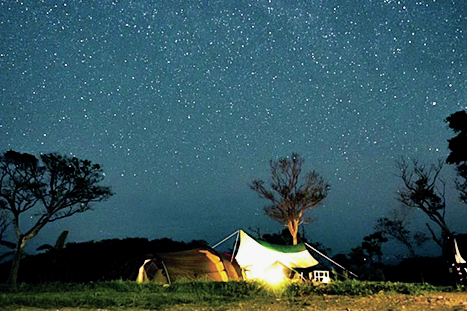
(233, 155)
(189, 276)
(122, 259)
(244, 270)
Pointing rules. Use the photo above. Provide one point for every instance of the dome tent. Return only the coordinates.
(195, 264)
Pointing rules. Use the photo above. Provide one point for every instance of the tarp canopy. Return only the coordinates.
(256, 256)
(195, 264)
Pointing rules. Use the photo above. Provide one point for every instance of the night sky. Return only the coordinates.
(184, 103)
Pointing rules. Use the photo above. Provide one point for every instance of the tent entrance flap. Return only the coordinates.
(150, 271)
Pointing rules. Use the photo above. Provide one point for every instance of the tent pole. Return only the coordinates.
(219, 243)
(166, 272)
(314, 249)
(235, 247)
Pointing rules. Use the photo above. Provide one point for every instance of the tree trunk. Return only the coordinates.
(293, 228)
(13, 278)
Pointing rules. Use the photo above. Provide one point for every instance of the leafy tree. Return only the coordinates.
(458, 156)
(424, 190)
(367, 257)
(372, 246)
(289, 197)
(47, 189)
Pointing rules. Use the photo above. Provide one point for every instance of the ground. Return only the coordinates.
(433, 301)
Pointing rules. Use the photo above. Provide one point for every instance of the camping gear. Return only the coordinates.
(255, 257)
(195, 264)
(251, 259)
(320, 276)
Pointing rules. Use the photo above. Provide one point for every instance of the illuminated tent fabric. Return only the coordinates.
(196, 264)
(256, 256)
(457, 254)
(459, 265)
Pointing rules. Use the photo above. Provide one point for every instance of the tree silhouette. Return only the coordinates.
(458, 156)
(289, 197)
(372, 246)
(59, 244)
(424, 190)
(47, 189)
(395, 227)
(4, 224)
(3, 221)
(366, 258)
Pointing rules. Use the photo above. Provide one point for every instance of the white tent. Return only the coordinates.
(457, 255)
(256, 257)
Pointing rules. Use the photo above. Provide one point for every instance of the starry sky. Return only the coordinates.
(184, 103)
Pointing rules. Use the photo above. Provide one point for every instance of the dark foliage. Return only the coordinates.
(458, 123)
(94, 261)
(282, 238)
(458, 156)
(365, 259)
(50, 187)
(409, 270)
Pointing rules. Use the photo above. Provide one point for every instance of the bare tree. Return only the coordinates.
(47, 189)
(424, 189)
(395, 226)
(289, 197)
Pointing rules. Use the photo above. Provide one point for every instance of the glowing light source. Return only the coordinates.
(275, 274)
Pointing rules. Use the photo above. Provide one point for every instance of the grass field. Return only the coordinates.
(123, 295)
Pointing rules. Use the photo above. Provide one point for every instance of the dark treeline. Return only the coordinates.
(105, 260)
(116, 259)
